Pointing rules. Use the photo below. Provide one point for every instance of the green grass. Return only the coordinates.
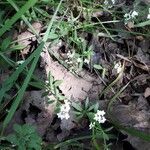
(8, 24)
(34, 57)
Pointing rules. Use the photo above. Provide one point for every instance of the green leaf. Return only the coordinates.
(77, 106)
(9, 82)
(79, 117)
(51, 22)
(90, 116)
(86, 103)
(12, 138)
(17, 128)
(114, 98)
(50, 101)
(53, 36)
(130, 130)
(33, 57)
(137, 133)
(114, 82)
(77, 112)
(36, 84)
(51, 80)
(15, 48)
(23, 17)
(57, 83)
(25, 138)
(45, 94)
(142, 24)
(5, 43)
(21, 92)
(60, 97)
(27, 128)
(98, 67)
(8, 24)
(109, 129)
(96, 106)
(42, 12)
(105, 136)
(91, 107)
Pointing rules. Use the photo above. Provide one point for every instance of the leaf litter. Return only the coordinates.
(131, 109)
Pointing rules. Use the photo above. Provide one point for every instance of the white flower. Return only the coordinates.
(67, 102)
(64, 110)
(79, 60)
(20, 62)
(101, 112)
(130, 15)
(134, 14)
(86, 61)
(99, 116)
(66, 106)
(148, 16)
(46, 81)
(63, 115)
(113, 1)
(70, 55)
(118, 67)
(106, 2)
(92, 125)
(69, 62)
(127, 16)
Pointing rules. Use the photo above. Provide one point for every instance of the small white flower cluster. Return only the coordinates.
(118, 67)
(148, 16)
(64, 110)
(106, 2)
(70, 58)
(86, 61)
(99, 117)
(92, 125)
(130, 15)
(70, 55)
(79, 60)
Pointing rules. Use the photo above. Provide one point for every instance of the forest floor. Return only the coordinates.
(75, 74)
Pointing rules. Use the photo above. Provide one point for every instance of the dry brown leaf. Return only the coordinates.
(147, 92)
(130, 25)
(25, 38)
(72, 86)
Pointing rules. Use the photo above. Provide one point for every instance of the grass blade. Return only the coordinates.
(23, 88)
(23, 17)
(114, 82)
(36, 56)
(115, 96)
(51, 23)
(142, 24)
(8, 83)
(132, 131)
(10, 22)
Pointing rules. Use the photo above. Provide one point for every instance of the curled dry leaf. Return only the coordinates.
(147, 92)
(27, 37)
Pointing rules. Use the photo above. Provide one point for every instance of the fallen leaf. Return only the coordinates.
(147, 92)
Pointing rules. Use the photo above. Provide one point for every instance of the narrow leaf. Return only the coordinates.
(10, 22)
